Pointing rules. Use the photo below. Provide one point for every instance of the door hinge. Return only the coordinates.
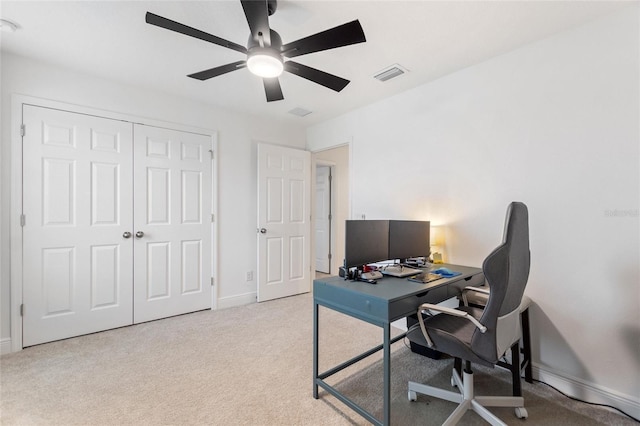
(23, 130)
(22, 310)
(212, 154)
(212, 281)
(23, 220)
(329, 256)
(330, 217)
(213, 217)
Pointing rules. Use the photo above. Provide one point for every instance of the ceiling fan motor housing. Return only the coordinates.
(265, 61)
(276, 42)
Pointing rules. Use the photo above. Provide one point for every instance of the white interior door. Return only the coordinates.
(172, 216)
(77, 201)
(283, 222)
(322, 219)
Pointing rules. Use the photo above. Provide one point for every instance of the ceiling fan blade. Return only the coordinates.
(325, 79)
(257, 15)
(214, 72)
(168, 24)
(272, 89)
(342, 35)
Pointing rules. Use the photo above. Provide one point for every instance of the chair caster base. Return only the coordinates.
(521, 413)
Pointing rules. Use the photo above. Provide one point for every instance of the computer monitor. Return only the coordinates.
(366, 241)
(409, 238)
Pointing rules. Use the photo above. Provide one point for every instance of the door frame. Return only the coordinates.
(16, 261)
(348, 142)
(332, 228)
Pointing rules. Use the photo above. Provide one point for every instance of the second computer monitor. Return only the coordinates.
(409, 238)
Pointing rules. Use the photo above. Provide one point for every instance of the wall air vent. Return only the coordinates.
(388, 73)
(300, 112)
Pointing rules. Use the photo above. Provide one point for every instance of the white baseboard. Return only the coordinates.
(5, 346)
(239, 300)
(589, 392)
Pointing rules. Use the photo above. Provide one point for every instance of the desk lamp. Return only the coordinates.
(436, 243)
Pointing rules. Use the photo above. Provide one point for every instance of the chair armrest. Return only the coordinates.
(448, 311)
(444, 309)
(482, 290)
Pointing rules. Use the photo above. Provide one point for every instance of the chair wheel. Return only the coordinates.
(412, 396)
(521, 413)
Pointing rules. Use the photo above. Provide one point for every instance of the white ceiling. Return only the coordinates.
(110, 39)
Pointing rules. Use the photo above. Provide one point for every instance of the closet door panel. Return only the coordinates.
(77, 202)
(172, 207)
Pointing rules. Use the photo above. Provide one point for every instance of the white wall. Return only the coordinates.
(237, 139)
(556, 125)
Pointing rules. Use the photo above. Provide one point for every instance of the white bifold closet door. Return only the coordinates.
(89, 185)
(172, 220)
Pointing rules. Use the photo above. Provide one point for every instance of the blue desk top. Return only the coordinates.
(391, 298)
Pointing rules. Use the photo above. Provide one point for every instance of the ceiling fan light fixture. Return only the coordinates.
(265, 63)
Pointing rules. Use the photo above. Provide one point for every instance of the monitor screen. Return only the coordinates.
(408, 238)
(366, 241)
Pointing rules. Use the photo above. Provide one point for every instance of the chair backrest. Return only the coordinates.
(506, 270)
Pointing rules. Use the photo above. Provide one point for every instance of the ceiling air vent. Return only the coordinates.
(300, 112)
(388, 73)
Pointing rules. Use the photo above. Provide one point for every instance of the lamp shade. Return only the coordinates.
(436, 238)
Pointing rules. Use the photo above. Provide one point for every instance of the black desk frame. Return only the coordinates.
(379, 304)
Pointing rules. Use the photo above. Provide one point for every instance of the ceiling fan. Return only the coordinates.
(265, 51)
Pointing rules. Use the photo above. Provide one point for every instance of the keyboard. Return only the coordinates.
(400, 271)
(426, 277)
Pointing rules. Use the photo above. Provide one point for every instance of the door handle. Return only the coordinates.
(139, 234)
(127, 234)
(263, 231)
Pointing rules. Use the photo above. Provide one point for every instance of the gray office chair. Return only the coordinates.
(477, 297)
(481, 336)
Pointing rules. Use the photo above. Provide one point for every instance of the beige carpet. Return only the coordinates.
(250, 365)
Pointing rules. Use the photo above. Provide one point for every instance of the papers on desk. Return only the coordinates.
(399, 271)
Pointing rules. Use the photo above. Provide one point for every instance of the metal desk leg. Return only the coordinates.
(315, 350)
(386, 356)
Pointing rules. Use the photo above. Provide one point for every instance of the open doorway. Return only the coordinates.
(322, 222)
(331, 207)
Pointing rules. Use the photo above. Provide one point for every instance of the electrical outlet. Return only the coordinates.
(250, 276)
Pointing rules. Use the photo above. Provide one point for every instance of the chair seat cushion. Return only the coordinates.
(451, 335)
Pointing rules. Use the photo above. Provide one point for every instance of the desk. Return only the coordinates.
(379, 304)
